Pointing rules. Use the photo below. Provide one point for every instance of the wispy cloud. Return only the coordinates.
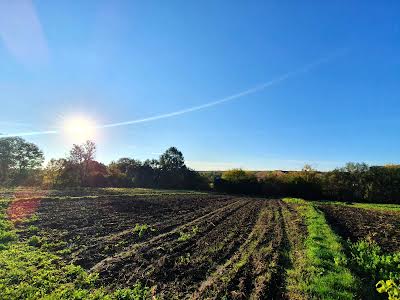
(238, 95)
(252, 90)
(21, 31)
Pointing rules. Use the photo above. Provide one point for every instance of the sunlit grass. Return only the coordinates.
(325, 274)
(375, 206)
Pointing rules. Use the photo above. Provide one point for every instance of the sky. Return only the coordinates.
(258, 85)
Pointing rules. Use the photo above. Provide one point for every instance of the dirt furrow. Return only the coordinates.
(254, 259)
(132, 260)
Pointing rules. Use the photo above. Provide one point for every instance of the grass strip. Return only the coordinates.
(374, 206)
(325, 274)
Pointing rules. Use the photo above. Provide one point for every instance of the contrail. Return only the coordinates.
(252, 90)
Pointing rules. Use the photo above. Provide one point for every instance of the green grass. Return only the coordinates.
(375, 206)
(326, 274)
(329, 262)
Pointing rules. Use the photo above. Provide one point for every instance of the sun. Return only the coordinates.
(79, 129)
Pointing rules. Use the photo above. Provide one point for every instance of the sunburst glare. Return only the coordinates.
(79, 129)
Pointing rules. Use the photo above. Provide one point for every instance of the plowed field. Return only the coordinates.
(190, 246)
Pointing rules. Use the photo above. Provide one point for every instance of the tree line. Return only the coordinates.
(356, 182)
(21, 164)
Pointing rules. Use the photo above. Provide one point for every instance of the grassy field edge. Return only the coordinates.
(323, 272)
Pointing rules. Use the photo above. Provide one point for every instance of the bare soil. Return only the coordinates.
(359, 223)
(195, 246)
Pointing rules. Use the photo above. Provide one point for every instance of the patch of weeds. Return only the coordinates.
(29, 272)
(137, 292)
(32, 229)
(53, 246)
(184, 236)
(183, 260)
(376, 269)
(368, 260)
(32, 219)
(7, 232)
(140, 230)
(35, 241)
(64, 251)
(6, 237)
(121, 243)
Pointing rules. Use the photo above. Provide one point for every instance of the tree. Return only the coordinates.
(129, 166)
(61, 173)
(150, 174)
(6, 159)
(82, 155)
(172, 160)
(238, 181)
(236, 175)
(171, 169)
(17, 159)
(97, 174)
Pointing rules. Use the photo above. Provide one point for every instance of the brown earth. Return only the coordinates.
(359, 223)
(196, 246)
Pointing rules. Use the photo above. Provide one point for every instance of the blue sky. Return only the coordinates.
(112, 61)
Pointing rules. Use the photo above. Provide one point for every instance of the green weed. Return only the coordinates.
(183, 259)
(32, 229)
(35, 241)
(184, 236)
(390, 287)
(140, 230)
(368, 261)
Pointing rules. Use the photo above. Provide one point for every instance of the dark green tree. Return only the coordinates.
(18, 159)
(172, 160)
(172, 169)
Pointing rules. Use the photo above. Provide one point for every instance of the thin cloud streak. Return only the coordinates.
(252, 90)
